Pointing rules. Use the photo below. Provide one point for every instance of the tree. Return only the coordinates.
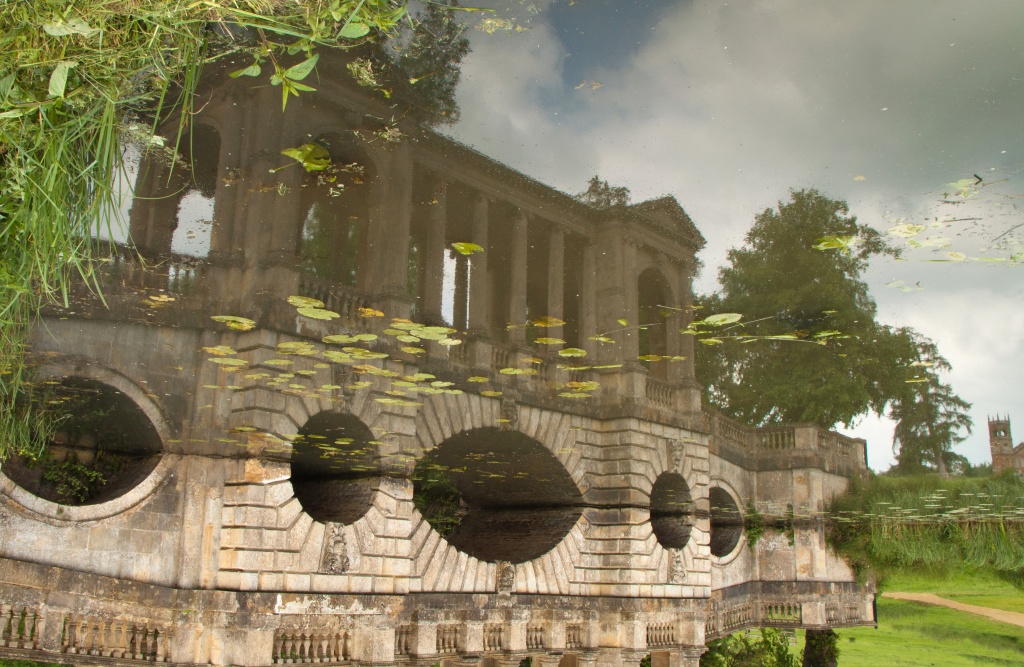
(826, 360)
(421, 65)
(770, 649)
(821, 648)
(929, 418)
(600, 194)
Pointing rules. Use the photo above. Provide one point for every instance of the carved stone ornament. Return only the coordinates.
(506, 576)
(677, 450)
(335, 556)
(677, 567)
(510, 413)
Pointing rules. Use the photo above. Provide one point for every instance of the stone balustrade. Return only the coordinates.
(20, 626)
(119, 639)
(309, 646)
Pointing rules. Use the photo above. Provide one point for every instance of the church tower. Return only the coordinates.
(1001, 443)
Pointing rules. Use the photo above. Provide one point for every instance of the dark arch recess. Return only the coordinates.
(497, 495)
(726, 522)
(335, 468)
(102, 445)
(671, 519)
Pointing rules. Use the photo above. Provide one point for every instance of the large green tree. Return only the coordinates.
(800, 296)
(929, 416)
(809, 348)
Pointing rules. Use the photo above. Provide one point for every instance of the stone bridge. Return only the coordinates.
(271, 451)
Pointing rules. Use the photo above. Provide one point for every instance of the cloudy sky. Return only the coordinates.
(727, 106)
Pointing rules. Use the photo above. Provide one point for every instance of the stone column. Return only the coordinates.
(588, 299)
(479, 294)
(684, 288)
(556, 272)
(517, 278)
(631, 336)
(388, 247)
(433, 255)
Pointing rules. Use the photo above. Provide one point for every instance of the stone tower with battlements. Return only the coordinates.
(1004, 455)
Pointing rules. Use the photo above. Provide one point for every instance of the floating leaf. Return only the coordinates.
(318, 313)
(711, 341)
(589, 385)
(607, 367)
(572, 352)
(844, 243)
(602, 339)
(305, 302)
(341, 339)
(278, 362)
(370, 312)
(623, 322)
(464, 248)
(449, 342)
(362, 353)
(296, 347)
(547, 321)
(478, 378)
(236, 323)
(228, 361)
(408, 338)
(905, 230)
(574, 394)
(220, 350)
(420, 377)
(721, 319)
(518, 371)
(490, 394)
(409, 349)
(312, 157)
(549, 341)
(957, 256)
(650, 357)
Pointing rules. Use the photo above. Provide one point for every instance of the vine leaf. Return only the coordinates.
(465, 248)
(59, 78)
(312, 156)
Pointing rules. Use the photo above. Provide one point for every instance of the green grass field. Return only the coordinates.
(919, 635)
(982, 588)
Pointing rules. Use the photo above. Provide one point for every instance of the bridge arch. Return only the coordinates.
(335, 468)
(727, 531)
(497, 495)
(113, 428)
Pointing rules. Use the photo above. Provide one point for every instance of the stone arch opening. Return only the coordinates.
(335, 468)
(335, 206)
(726, 522)
(496, 495)
(96, 444)
(671, 518)
(653, 293)
(172, 212)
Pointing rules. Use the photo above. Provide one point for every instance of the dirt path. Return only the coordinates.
(1011, 617)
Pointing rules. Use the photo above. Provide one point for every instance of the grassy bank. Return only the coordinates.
(916, 634)
(895, 525)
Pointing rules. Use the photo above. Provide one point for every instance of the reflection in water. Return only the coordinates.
(420, 377)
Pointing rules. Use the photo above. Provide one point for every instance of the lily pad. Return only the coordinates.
(318, 313)
(234, 322)
(305, 302)
(464, 248)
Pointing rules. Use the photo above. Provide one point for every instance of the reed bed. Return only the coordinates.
(81, 79)
(904, 522)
